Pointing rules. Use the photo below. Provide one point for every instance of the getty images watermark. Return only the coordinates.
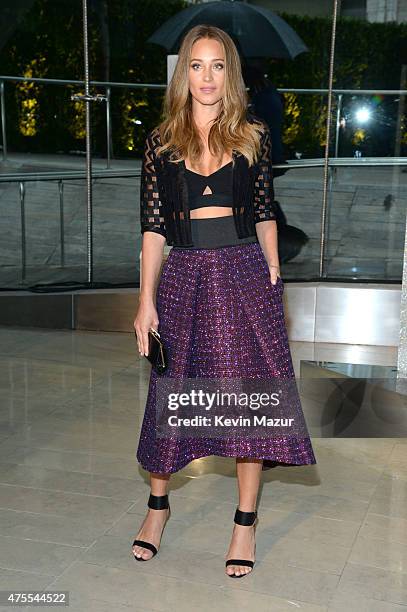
(223, 408)
(330, 407)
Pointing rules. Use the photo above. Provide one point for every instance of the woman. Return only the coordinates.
(206, 189)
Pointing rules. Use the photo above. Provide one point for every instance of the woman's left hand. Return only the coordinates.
(274, 273)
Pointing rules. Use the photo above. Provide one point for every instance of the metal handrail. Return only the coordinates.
(65, 175)
(161, 86)
(164, 85)
(290, 165)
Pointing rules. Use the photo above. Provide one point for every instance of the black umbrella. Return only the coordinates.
(256, 31)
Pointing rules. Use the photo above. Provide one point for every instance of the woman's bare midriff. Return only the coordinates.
(209, 212)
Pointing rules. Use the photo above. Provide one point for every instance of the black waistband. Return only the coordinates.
(215, 232)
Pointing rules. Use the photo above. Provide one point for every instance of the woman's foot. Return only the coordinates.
(242, 546)
(151, 531)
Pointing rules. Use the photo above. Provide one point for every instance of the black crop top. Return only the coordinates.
(218, 187)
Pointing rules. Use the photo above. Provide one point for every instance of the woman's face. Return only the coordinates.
(207, 71)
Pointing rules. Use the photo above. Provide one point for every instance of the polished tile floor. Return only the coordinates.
(331, 537)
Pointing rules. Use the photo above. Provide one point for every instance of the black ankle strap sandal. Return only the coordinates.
(156, 502)
(247, 519)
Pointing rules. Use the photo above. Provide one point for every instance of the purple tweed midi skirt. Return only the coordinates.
(220, 317)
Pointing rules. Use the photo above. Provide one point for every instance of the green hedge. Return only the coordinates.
(48, 43)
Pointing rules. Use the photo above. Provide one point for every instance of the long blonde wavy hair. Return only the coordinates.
(230, 130)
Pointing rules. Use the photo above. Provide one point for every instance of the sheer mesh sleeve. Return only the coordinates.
(151, 213)
(264, 207)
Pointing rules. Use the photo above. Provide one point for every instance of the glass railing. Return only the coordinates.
(367, 216)
(38, 115)
(44, 233)
(355, 232)
(44, 224)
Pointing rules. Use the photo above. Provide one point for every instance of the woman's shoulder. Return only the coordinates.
(153, 136)
(265, 130)
(253, 118)
(153, 143)
(265, 136)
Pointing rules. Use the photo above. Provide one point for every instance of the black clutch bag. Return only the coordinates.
(157, 354)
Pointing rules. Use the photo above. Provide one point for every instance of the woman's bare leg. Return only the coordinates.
(153, 524)
(243, 539)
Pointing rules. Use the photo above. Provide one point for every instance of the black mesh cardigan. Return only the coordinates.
(164, 192)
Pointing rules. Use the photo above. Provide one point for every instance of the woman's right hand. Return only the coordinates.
(146, 317)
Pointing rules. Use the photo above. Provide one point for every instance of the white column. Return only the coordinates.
(402, 351)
